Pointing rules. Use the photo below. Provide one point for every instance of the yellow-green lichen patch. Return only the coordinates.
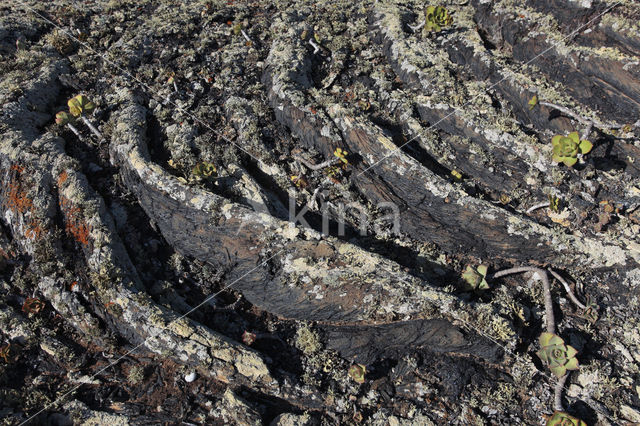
(307, 340)
(250, 365)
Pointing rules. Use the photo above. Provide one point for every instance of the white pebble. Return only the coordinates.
(190, 377)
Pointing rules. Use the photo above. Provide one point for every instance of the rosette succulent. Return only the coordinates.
(63, 118)
(560, 418)
(557, 355)
(436, 17)
(80, 105)
(204, 170)
(475, 277)
(341, 154)
(357, 372)
(566, 148)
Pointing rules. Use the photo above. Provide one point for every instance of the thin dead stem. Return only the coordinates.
(538, 206)
(417, 27)
(573, 298)
(548, 302)
(557, 393)
(584, 120)
(75, 131)
(316, 48)
(317, 166)
(91, 127)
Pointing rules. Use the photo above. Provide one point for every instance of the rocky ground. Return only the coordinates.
(141, 286)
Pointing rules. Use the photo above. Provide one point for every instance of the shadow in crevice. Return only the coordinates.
(271, 406)
(584, 412)
(603, 155)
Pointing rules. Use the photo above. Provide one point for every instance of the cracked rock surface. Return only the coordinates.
(126, 271)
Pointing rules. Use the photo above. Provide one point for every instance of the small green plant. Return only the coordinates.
(436, 17)
(299, 181)
(533, 102)
(557, 355)
(566, 148)
(590, 311)
(79, 107)
(357, 372)
(204, 170)
(476, 277)
(554, 203)
(333, 173)
(65, 119)
(341, 155)
(561, 418)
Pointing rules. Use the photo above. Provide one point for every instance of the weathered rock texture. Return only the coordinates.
(151, 273)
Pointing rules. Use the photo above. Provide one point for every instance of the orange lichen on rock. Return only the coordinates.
(34, 230)
(15, 197)
(75, 224)
(62, 177)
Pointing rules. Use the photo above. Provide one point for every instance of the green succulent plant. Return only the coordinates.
(590, 312)
(561, 418)
(554, 203)
(559, 356)
(357, 372)
(204, 170)
(341, 154)
(80, 105)
(476, 277)
(566, 148)
(533, 102)
(63, 118)
(436, 17)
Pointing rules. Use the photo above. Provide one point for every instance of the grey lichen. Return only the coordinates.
(307, 340)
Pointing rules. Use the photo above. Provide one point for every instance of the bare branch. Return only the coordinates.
(557, 393)
(584, 120)
(548, 302)
(573, 298)
(316, 166)
(415, 28)
(316, 48)
(538, 206)
(91, 127)
(74, 130)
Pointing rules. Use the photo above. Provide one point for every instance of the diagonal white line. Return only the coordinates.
(130, 351)
(124, 71)
(149, 92)
(456, 109)
(106, 59)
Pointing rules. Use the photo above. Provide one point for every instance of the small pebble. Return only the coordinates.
(190, 377)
